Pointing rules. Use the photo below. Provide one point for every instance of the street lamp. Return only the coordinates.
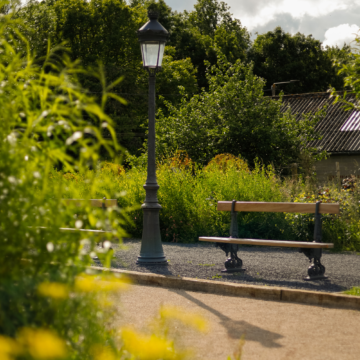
(152, 37)
(273, 86)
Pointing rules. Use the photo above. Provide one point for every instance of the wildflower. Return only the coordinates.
(102, 353)
(42, 344)
(146, 347)
(54, 290)
(189, 319)
(8, 347)
(91, 283)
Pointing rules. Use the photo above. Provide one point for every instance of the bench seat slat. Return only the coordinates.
(325, 208)
(91, 202)
(85, 230)
(75, 230)
(281, 243)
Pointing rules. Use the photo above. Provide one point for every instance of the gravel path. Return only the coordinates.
(264, 266)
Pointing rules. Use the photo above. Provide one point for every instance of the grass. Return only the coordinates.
(353, 291)
(216, 276)
(207, 265)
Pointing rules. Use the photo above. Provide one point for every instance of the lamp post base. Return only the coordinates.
(144, 260)
(151, 252)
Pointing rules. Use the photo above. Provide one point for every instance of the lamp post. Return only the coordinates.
(152, 37)
(273, 86)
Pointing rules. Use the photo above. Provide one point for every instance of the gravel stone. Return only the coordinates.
(264, 265)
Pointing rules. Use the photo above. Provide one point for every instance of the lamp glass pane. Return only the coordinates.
(161, 53)
(150, 52)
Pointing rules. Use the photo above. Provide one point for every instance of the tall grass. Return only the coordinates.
(188, 195)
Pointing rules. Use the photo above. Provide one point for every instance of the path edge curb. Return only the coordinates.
(271, 293)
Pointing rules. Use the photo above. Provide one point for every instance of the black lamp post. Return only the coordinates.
(273, 86)
(152, 38)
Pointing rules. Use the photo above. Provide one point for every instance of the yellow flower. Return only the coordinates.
(190, 319)
(92, 283)
(42, 344)
(8, 347)
(54, 290)
(147, 347)
(100, 352)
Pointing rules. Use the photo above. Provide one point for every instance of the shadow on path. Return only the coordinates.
(236, 328)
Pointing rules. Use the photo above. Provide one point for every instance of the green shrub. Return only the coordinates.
(188, 194)
(343, 230)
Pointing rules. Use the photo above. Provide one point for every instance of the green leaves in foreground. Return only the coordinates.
(47, 120)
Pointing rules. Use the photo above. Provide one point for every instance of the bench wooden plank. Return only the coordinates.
(325, 208)
(85, 230)
(280, 243)
(75, 230)
(91, 202)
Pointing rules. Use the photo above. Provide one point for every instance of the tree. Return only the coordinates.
(350, 69)
(105, 32)
(202, 32)
(280, 56)
(234, 117)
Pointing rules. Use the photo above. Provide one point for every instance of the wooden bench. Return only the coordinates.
(313, 250)
(101, 203)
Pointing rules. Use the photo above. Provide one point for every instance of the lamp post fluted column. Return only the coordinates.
(151, 247)
(152, 38)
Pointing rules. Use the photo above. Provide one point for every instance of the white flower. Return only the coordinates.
(75, 136)
(50, 246)
(78, 224)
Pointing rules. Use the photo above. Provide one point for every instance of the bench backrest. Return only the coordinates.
(324, 208)
(91, 202)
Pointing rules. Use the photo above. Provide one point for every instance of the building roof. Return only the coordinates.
(340, 128)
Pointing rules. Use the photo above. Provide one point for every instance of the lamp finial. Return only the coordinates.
(153, 14)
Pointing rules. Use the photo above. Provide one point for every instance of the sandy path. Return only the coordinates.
(273, 330)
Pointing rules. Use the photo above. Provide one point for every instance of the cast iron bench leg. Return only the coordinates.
(316, 270)
(233, 263)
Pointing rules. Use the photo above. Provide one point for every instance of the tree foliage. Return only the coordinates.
(280, 56)
(210, 26)
(234, 117)
(104, 31)
(351, 72)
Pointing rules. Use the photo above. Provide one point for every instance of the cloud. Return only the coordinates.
(257, 13)
(182, 5)
(309, 25)
(310, 17)
(286, 21)
(340, 35)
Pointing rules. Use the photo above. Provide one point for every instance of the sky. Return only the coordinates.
(333, 22)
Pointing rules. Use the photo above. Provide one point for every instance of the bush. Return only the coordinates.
(343, 230)
(188, 194)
